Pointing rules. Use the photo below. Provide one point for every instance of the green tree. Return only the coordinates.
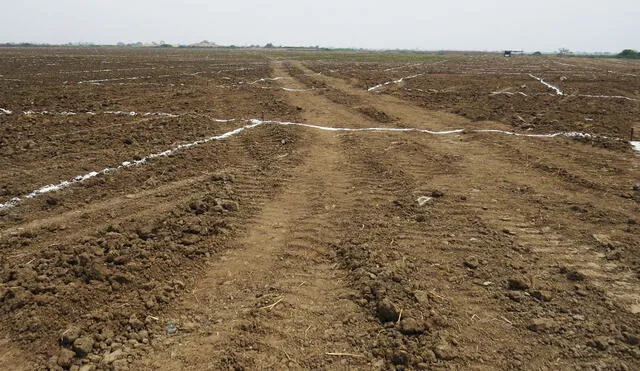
(629, 53)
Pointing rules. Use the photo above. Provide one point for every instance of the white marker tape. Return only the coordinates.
(126, 164)
(403, 67)
(116, 79)
(63, 113)
(606, 97)
(183, 74)
(254, 122)
(623, 73)
(121, 113)
(267, 79)
(162, 114)
(290, 89)
(134, 113)
(558, 91)
(571, 134)
(394, 81)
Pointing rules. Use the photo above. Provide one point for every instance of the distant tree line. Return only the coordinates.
(629, 54)
(23, 45)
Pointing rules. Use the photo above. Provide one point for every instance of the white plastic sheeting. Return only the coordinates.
(297, 90)
(71, 113)
(133, 113)
(126, 164)
(394, 81)
(63, 113)
(557, 90)
(560, 92)
(267, 79)
(607, 97)
(254, 123)
(114, 79)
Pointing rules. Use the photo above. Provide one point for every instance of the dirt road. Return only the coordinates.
(505, 266)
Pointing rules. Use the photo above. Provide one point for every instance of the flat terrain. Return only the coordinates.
(205, 213)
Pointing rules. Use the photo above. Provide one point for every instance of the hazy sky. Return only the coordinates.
(546, 25)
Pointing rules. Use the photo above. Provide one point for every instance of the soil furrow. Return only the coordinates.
(276, 295)
(291, 247)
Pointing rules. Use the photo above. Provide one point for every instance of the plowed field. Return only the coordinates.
(196, 209)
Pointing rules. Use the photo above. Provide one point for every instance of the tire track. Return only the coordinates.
(523, 154)
(548, 249)
(476, 242)
(277, 295)
(381, 252)
(137, 220)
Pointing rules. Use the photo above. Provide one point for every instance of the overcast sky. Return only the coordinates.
(546, 25)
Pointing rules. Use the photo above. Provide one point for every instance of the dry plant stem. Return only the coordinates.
(273, 305)
(345, 355)
(506, 320)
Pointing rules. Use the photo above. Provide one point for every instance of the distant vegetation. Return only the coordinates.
(629, 53)
(23, 45)
(364, 54)
(564, 52)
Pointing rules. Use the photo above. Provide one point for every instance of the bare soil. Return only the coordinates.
(289, 247)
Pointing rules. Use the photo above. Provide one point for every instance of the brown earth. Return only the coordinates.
(293, 247)
(501, 89)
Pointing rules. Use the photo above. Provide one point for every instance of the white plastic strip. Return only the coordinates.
(434, 132)
(623, 73)
(297, 90)
(607, 97)
(253, 123)
(5, 111)
(328, 128)
(267, 79)
(126, 164)
(133, 113)
(565, 64)
(106, 70)
(394, 82)
(184, 74)
(403, 67)
(558, 91)
(116, 79)
(63, 113)
(118, 113)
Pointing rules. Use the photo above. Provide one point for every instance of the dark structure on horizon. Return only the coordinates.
(508, 53)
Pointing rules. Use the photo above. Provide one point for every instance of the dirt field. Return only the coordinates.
(193, 223)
